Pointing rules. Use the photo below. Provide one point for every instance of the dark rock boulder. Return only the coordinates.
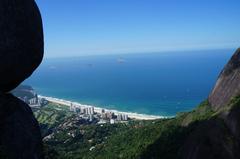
(228, 83)
(21, 51)
(211, 139)
(21, 41)
(232, 120)
(20, 137)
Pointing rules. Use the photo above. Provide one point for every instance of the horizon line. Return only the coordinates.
(140, 52)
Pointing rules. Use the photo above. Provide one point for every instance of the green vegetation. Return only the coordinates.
(65, 137)
(235, 102)
(202, 112)
(51, 116)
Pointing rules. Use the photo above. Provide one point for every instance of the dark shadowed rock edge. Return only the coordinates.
(20, 137)
(21, 41)
(21, 52)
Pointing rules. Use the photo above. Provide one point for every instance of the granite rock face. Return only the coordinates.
(228, 83)
(21, 41)
(219, 137)
(20, 136)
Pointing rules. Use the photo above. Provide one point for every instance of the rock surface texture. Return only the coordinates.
(20, 137)
(21, 52)
(219, 136)
(228, 83)
(21, 41)
(210, 140)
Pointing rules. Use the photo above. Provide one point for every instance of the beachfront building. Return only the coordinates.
(122, 117)
(91, 118)
(102, 116)
(119, 117)
(35, 101)
(72, 107)
(86, 111)
(82, 110)
(42, 101)
(109, 115)
(91, 110)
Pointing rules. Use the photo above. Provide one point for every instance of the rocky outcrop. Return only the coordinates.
(21, 41)
(232, 120)
(228, 83)
(219, 136)
(21, 51)
(20, 137)
(211, 139)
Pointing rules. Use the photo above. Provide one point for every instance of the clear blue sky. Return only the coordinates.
(86, 27)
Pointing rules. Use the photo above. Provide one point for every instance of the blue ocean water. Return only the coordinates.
(151, 83)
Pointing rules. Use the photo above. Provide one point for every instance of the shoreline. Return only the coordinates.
(131, 115)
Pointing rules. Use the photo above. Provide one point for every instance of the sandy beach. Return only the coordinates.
(136, 116)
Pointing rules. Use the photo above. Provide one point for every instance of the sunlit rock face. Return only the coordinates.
(228, 83)
(21, 41)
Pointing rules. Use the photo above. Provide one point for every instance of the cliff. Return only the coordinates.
(20, 136)
(219, 136)
(228, 83)
(21, 41)
(21, 51)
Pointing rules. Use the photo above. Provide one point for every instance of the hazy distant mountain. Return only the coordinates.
(24, 91)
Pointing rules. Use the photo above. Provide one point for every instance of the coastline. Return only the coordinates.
(131, 115)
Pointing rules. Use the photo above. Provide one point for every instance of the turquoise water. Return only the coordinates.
(151, 83)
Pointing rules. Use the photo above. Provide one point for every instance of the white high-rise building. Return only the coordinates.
(124, 117)
(72, 108)
(91, 118)
(119, 117)
(112, 121)
(89, 110)
(83, 111)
